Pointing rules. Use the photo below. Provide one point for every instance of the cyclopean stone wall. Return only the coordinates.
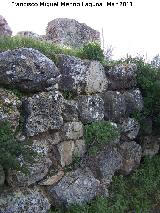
(55, 126)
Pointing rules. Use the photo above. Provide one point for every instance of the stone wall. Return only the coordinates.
(57, 101)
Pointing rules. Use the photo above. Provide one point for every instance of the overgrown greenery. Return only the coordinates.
(11, 150)
(90, 51)
(139, 192)
(98, 134)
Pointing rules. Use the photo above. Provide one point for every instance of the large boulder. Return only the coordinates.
(122, 76)
(114, 106)
(24, 200)
(105, 164)
(134, 101)
(79, 186)
(91, 108)
(29, 34)
(43, 112)
(131, 154)
(81, 76)
(37, 169)
(69, 32)
(5, 30)
(9, 108)
(28, 70)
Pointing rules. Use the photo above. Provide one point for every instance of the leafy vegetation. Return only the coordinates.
(98, 134)
(90, 51)
(11, 150)
(139, 192)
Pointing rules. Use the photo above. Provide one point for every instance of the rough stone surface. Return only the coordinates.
(122, 76)
(70, 110)
(38, 169)
(43, 112)
(9, 106)
(150, 145)
(129, 129)
(65, 150)
(52, 179)
(105, 164)
(5, 30)
(69, 32)
(114, 106)
(81, 76)
(91, 108)
(2, 176)
(131, 153)
(72, 130)
(80, 148)
(28, 70)
(24, 200)
(78, 186)
(134, 101)
(29, 34)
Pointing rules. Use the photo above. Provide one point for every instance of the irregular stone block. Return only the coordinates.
(69, 32)
(114, 106)
(29, 34)
(43, 112)
(51, 180)
(38, 169)
(91, 108)
(122, 76)
(65, 151)
(131, 153)
(77, 187)
(9, 106)
(5, 30)
(129, 129)
(134, 101)
(105, 164)
(28, 70)
(72, 130)
(79, 148)
(81, 76)
(150, 145)
(24, 200)
(70, 110)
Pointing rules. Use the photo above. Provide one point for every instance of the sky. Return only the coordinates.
(132, 30)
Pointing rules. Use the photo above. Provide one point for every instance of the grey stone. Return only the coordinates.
(114, 106)
(81, 76)
(122, 76)
(79, 148)
(43, 112)
(105, 164)
(38, 169)
(72, 130)
(134, 101)
(129, 129)
(70, 110)
(65, 151)
(24, 200)
(69, 32)
(28, 70)
(150, 145)
(5, 30)
(131, 153)
(29, 34)
(9, 108)
(2, 176)
(91, 108)
(78, 186)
